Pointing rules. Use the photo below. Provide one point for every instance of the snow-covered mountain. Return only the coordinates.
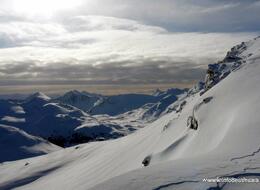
(16, 144)
(82, 100)
(61, 124)
(225, 144)
(96, 104)
(167, 99)
(66, 125)
(38, 116)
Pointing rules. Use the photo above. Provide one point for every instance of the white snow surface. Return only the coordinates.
(226, 143)
(17, 144)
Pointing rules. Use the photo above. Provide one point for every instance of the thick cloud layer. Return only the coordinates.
(122, 44)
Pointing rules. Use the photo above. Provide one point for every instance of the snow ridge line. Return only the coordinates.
(249, 155)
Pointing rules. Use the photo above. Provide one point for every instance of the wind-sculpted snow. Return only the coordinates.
(225, 144)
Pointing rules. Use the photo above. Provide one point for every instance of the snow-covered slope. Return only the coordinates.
(225, 144)
(16, 144)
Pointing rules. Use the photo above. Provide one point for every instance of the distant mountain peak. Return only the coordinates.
(73, 92)
(38, 95)
(157, 92)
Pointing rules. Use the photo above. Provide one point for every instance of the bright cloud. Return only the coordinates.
(133, 42)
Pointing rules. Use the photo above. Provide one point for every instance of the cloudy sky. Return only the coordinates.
(118, 42)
